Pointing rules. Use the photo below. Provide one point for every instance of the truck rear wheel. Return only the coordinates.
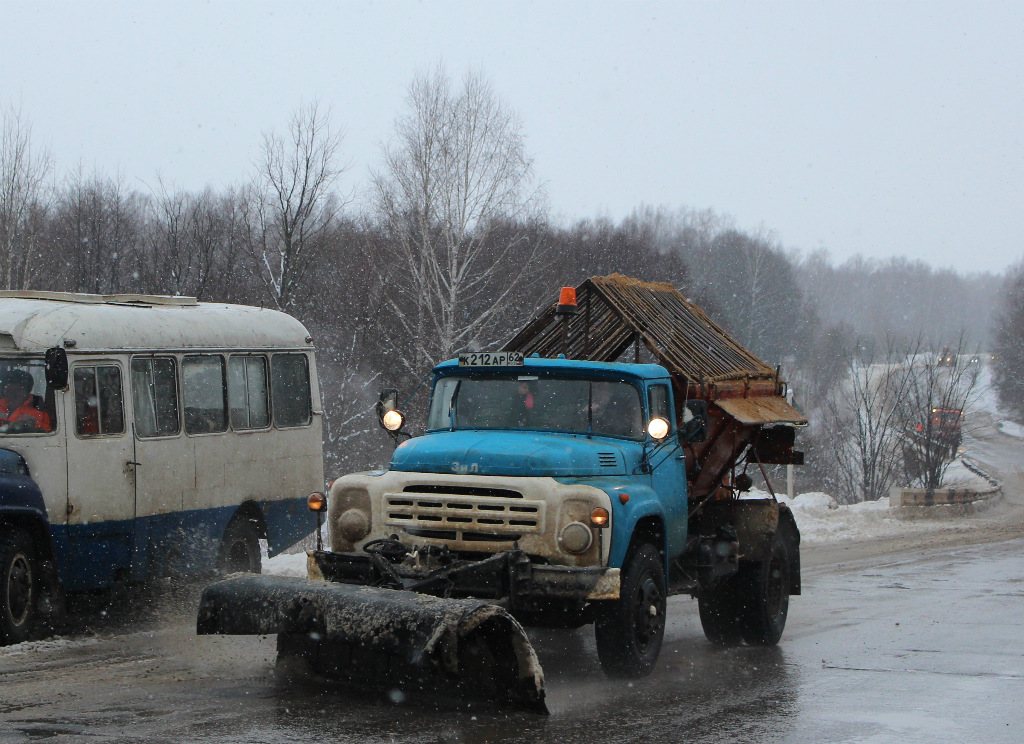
(18, 586)
(764, 597)
(719, 614)
(629, 631)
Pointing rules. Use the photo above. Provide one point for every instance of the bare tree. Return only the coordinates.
(95, 234)
(862, 418)
(454, 200)
(940, 385)
(193, 243)
(292, 206)
(23, 175)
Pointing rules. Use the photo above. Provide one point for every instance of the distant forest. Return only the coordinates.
(448, 246)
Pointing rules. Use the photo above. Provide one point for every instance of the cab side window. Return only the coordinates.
(657, 399)
(155, 395)
(203, 390)
(289, 388)
(247, 392)
(99, 403)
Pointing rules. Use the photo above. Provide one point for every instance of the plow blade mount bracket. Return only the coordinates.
(425, 635)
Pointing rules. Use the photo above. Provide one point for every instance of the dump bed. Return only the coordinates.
(619, 318)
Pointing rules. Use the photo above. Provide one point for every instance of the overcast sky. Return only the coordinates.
(876, 128)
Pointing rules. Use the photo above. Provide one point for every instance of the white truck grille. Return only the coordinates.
(447, 516)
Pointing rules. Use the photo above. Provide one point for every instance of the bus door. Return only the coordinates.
(101, 477)
(165, 467)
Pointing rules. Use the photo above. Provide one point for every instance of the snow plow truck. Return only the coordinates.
(584, 473)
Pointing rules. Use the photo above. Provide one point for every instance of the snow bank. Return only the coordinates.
(1011, 429)
(54, 644)
(822, 521)
(285, 565)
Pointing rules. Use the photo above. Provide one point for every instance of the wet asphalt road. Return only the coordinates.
(904, 648)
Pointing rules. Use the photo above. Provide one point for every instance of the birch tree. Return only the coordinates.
(293, 206)
(863, 418)
(454, 200)
(23, 175)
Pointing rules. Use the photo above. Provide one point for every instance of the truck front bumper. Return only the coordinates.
(509, 575)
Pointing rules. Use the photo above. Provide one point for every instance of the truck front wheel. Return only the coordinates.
(629, 631)
(18, 586)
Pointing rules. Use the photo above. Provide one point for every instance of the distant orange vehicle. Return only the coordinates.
(945, 426)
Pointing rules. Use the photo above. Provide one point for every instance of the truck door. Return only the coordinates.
(668, 476)
(101, 477)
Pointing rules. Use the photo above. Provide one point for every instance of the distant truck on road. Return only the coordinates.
(556, 485)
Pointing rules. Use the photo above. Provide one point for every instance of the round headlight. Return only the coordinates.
(658, 428)
(393, 420)
(354, 525)
(576, 537)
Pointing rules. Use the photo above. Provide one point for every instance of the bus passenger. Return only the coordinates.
(17, 410)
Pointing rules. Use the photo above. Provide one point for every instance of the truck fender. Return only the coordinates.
(757, 521)
(791, 536)
(643, 509)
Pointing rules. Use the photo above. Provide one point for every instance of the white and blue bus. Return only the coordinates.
(146, 436)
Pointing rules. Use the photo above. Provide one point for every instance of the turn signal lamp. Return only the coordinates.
(599, 517)
(317, 501)
(393, 420)
(658, 428)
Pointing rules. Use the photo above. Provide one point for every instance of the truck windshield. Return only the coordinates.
(23, 405)
(608, 408)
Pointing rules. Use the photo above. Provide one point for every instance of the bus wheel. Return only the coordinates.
(240, 548)
(18, 586)
(630, 629)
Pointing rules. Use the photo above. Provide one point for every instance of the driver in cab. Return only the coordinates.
(18, 413)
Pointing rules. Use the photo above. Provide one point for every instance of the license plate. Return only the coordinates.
(491, 359)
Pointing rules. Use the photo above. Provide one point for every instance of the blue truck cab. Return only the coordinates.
(575, 423)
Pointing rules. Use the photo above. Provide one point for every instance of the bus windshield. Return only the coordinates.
(578, 406)
(23, 408)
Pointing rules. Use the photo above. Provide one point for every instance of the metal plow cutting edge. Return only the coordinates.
(385, 637)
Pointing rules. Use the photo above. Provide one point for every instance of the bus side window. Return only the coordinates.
(202, 383)
(247, 392)
(289, 390)
(155, 395)
(99, 404)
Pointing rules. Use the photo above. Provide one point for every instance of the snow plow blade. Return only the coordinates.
(384, 636)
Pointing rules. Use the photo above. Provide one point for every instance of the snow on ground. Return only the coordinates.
(54, 644)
